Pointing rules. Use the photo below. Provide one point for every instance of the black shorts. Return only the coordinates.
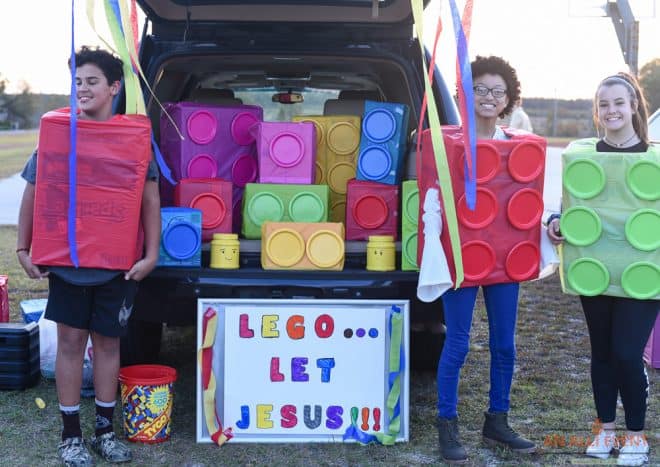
(103, 308)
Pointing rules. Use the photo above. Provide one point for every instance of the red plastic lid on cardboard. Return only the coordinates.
(202, 126)
(213, 209)
(522, 262)
(286, 149)
(240, 128)
(525, 209)
(526, 162)
(488, 162)
(202, 166)
(478, 260)
(370, 211)
(484, 213)
(379, 125)
(244, 170)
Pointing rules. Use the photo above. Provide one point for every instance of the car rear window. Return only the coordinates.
(312, 104)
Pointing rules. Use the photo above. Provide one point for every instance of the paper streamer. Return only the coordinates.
(466, 100)
(131, 48)
(393, 402)
(440, 152)
(205, 360)
(73, 127)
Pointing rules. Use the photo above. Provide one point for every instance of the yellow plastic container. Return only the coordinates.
(225, 250)
(302, 245)
(381, 253)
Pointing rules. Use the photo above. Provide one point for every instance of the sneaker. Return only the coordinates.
(74, 453)
(634, 451)
(603, 444)
(109, 448)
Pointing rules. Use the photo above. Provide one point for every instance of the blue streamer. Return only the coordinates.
(162, 165)
(73, 120)
(470, 125)
(115, 8)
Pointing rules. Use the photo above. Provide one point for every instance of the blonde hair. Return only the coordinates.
(641, 114)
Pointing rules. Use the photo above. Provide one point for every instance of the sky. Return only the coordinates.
(558, 49)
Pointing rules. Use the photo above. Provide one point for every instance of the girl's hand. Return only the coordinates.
(141, 269)
(554, 234)
(32, 270)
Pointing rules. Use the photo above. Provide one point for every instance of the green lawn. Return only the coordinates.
(551, 397)
(15, 148)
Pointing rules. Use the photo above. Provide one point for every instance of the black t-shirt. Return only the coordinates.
(602, 146)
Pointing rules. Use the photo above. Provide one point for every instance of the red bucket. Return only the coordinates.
(147, 396)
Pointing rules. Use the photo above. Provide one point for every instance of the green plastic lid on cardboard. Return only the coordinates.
(643, 229)
(588, 276)
(584, 178)
(580, 225)
(641, 280)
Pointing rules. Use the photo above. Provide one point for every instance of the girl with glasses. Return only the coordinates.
(496, 89)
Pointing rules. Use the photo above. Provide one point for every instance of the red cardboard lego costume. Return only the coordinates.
(112, 160)
(500, 239)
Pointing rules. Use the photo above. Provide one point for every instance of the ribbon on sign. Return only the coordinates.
(73, 129)
(205, 360)
(466, 98)
(393, 402)
(439, 151)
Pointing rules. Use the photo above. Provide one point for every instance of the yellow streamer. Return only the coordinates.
(444, 178)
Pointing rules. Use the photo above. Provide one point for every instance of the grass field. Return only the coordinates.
(15, 148)
(551, 397)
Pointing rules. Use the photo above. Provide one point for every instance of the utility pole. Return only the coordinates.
(627, 31)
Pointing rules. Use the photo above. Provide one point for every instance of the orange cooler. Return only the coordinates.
(112, 160)
(302, 246)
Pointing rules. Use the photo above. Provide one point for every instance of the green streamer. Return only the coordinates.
(444, 177)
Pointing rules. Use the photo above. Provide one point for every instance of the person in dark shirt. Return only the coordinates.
(619, 327)
(89, 302)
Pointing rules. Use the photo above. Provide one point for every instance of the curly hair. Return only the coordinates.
(494, 65)
(110, 65)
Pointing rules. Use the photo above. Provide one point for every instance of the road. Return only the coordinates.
(11, 189)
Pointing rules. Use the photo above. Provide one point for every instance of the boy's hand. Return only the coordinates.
(554, 234)
(141, 269)
(32, 270)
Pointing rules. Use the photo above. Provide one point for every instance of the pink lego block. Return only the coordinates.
(652, 349)
(286, 152)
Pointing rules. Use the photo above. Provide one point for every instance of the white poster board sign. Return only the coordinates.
(303, 370)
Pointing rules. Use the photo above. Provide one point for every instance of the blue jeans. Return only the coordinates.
(502, 309)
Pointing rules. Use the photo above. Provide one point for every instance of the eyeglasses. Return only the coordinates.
(481, 90)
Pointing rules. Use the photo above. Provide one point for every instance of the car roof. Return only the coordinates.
(340, 13)
(654, 127)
